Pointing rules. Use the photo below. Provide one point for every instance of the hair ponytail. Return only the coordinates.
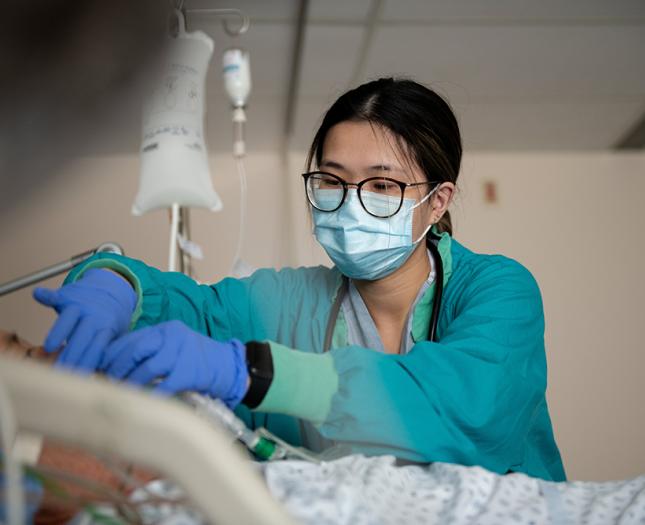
(445, 224)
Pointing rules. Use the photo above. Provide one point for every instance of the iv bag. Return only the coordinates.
(174, 161)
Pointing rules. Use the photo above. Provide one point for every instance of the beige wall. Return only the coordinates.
(577, 222)
(574, 220)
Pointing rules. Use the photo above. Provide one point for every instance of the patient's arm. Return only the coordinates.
(72, 462)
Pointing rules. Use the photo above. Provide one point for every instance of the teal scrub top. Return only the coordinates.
(474, 397)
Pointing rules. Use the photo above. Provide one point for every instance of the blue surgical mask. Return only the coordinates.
(363, 246)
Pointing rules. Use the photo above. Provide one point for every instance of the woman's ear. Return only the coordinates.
(441, 200)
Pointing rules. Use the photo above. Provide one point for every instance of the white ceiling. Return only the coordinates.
(520, 74)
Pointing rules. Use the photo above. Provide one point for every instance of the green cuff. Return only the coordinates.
(121, 269)
(303, 384)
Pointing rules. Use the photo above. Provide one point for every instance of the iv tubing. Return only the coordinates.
(239, 118)
(243, 197)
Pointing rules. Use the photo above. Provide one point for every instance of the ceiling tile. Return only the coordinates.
(438, 11)
(340, 11)
(530, 63)
(260, 11)
(546, 126)
(520, 79)
(514, 126)
(308, 118)
(329, 58)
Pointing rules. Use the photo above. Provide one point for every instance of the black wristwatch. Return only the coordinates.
(260, 366)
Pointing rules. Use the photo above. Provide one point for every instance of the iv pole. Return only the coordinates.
(57, 269)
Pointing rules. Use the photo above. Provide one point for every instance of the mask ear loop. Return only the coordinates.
(425, 232)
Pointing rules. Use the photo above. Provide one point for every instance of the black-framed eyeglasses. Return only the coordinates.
(381, 197)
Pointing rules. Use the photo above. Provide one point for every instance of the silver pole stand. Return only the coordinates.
(179, 258)
(56, 269)
(185, 262)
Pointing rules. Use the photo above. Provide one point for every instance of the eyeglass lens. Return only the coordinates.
(379, 197)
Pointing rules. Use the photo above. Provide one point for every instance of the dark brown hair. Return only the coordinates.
(421, 121)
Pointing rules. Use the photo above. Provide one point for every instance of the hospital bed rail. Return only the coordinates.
(56, 269)
(148, 430)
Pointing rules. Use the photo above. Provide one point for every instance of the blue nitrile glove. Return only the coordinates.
(182, 358)
(91, 312)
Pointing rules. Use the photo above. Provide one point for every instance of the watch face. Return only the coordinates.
(259, 360)
(260, 373)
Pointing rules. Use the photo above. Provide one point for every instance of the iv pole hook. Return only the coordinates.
(245, 22)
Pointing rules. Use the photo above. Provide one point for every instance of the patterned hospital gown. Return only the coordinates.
(359, 490)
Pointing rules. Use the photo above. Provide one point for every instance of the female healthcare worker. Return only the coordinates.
(411, 345)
